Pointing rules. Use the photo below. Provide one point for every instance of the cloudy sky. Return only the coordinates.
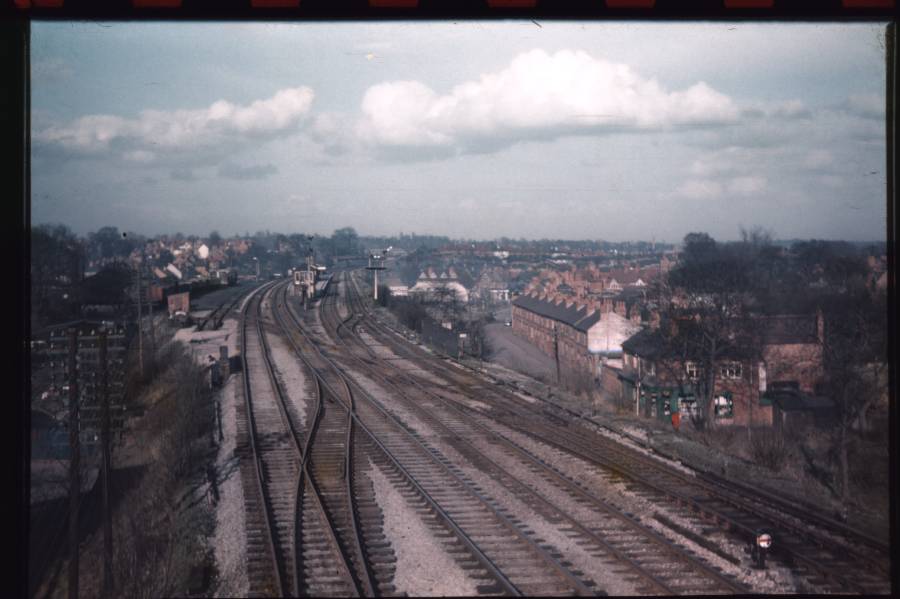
(477, 130)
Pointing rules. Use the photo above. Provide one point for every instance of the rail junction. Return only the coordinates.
(522, 495)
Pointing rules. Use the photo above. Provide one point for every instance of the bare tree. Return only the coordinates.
(855, 355)
(704, 309)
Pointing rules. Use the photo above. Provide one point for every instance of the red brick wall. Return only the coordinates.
(180, 301)
(744, 393)
(576, 366)
(796, 362)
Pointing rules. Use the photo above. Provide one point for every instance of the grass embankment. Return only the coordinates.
(158, 487)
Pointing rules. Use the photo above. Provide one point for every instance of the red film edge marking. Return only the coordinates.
(749, 3)
(393, 3)
(156, 3)
(22, 3)
(630, 3)
(274, 3)
(868, 3)
(41, 3)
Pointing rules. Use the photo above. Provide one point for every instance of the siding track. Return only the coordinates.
(825, 553)
(291, 543)
(484, 540)
(655, 563)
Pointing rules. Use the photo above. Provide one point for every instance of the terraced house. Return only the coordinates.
(779, 380)
(578, 336)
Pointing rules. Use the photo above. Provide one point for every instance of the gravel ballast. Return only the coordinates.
(229, 541)
(423, 567)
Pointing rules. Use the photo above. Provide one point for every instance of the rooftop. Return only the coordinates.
(581, 319)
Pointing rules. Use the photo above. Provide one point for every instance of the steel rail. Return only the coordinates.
(304, 474)
(370, 588)
(460, 534)
(653, 536)
(543, 554)
(739, 503)
(218, 314)
(269, 518)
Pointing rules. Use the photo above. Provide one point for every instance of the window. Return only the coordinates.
(724, 406)
(692, 369)
(688, 406)
(730, 370)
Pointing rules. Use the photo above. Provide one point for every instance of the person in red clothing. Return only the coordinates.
(676, 420)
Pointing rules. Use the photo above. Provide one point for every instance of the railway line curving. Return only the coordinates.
(827, 554)
(480, 467)
(291, 539)
(608, 533)
(481, 537)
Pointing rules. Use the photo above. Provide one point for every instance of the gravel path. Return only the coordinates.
(506, 348)
(423, 567)
(229, 541)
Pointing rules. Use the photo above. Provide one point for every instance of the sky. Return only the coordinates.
(477, 130)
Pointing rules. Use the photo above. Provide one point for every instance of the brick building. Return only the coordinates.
(560, 330)
(749, 385)
(579, 335)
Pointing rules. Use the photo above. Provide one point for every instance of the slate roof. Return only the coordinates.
(645, 343)
(629, 294)
(581, 319)
(793, 400)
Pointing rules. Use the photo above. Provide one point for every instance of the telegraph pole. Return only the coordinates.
(74, 464)
(556, 351)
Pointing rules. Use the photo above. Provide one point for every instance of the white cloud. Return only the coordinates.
(537, 96)
(156, 131)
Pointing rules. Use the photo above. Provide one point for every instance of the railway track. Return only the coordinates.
(827, 554)
(655, 563)
(271, 468)
(478, 534)
(292, 543)
(214, 319)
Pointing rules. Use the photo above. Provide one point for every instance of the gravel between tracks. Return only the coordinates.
(607, 579)
(775, 579)
(423, 567)
(290, 371)
(229, 541)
